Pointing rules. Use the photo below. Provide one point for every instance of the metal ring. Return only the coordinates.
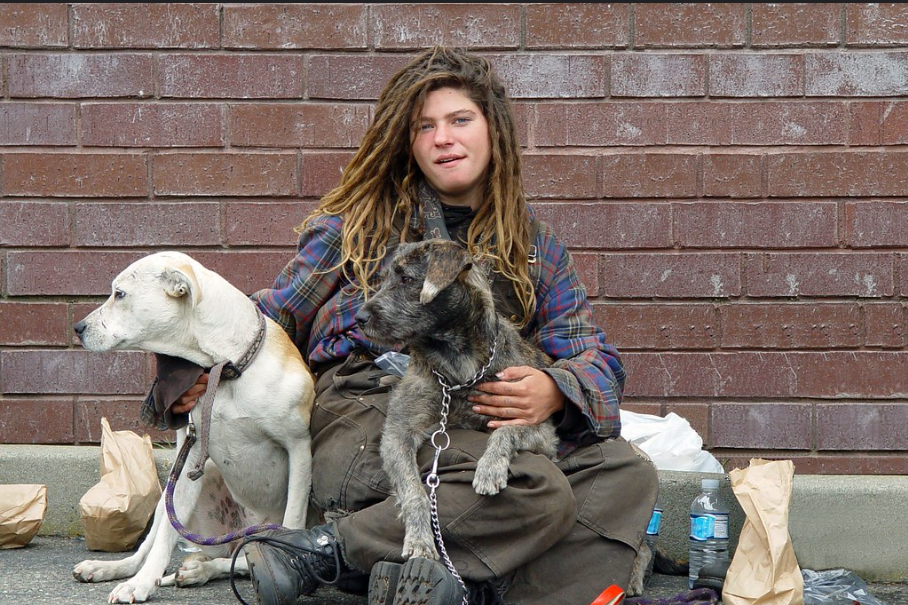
(447, 437)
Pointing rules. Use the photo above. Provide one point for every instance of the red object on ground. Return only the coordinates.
(610, 596)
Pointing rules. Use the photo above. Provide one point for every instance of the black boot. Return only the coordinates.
(424, 582)
(287, 563)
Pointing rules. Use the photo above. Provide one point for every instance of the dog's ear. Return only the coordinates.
(181, 282)
(446, 263)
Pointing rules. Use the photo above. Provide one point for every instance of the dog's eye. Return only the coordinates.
(405, 279)
(119, 294)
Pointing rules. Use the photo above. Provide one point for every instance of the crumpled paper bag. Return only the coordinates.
(21, 513)
(764, 570)
(116, 510)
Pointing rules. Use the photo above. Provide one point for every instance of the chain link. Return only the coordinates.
(432, 480)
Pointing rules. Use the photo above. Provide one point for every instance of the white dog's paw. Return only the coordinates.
(96, 571)
(131, 592)
(424, 548)
(491, 476)
(195, 571)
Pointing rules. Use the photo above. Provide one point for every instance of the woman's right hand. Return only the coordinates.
(191, 397)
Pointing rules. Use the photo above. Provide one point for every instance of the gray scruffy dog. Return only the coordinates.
(435, 299)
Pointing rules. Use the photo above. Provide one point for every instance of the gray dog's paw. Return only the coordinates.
(491, 476)
(424, 548)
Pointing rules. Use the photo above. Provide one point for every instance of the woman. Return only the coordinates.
(441, 159)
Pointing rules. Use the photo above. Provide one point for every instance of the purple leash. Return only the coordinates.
(172, 515)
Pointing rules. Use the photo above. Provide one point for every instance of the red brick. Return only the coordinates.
(660, 25)
(76, 75)
(170, 25)
(902, 263)
(351, 77)
(842, 464)
(31, 124)
(820, 274)
(670, 275)
(34, 323)
(795, 24)
(662, 327)
(878, 123)
(235, 76)
(851, 374)
(75, 175)
(885, 325)
(649, 175)
(549, 76)
(141, 224)
(795, 123)
(756, 225)
(876, 224)
(600, 124)
(610, 226)
(30, 421)
(658, 75)
(65, 272)
(152, 125)
(879, 24)
(298, 125)
(698, 123)
(577, 25)
(264, 223)
(122, 414)
(523, 114)
(856, 74)
(226, 174)
(33, 25)
(652, 409)
(58, 372)
(732, 175)
(837, 174)
(587, 266)
(762, 425)
(862, 426)
(792, 326)
(756, 75)
(286, 26)
(321, 172)
(416, 26)
(247, 271)
(729, 375)
(25, 224)
(560, 176)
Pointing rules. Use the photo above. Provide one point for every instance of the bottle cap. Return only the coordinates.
(709, 483)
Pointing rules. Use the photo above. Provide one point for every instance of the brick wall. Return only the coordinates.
(731, 178)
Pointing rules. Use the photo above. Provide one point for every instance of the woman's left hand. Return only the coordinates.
(522, 396)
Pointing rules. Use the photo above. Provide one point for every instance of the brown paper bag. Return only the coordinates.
(21, 513)
(116, 510)
(764, 570)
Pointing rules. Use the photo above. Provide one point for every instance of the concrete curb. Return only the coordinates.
(835, 521)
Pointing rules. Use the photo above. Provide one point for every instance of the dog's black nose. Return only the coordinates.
(362, 316)
(79, 328)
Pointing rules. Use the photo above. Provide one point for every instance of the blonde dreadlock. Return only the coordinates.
(381, 181)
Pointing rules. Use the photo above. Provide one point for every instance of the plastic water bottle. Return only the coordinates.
(652, 532)
(708, 529)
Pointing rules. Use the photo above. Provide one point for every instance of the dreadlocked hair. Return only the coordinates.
(380, 184)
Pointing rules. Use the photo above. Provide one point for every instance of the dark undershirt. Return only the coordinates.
(457, 220)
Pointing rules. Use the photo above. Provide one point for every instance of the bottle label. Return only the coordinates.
(654, 522)
(708, 527)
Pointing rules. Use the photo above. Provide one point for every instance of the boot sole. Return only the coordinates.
(383, 582)
(425, 582)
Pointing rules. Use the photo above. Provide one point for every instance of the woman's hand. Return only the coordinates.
(523, 396)
(191, 397)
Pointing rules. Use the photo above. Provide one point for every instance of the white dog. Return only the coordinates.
(259, 448)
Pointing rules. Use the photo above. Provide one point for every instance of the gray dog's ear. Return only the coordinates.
(181, 281)
(446, 263)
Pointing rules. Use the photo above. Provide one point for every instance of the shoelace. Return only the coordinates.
(300, 563)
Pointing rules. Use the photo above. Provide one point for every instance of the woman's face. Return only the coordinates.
(450, 141)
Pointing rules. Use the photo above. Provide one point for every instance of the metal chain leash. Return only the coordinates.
(432, 480)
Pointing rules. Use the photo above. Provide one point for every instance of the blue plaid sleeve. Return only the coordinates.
(587, 369)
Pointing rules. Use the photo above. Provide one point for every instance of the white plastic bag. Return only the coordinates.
(671, 442)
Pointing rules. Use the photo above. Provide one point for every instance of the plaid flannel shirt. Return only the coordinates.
(316, 306)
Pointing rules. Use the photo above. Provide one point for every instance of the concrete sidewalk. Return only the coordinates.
(835, 521)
